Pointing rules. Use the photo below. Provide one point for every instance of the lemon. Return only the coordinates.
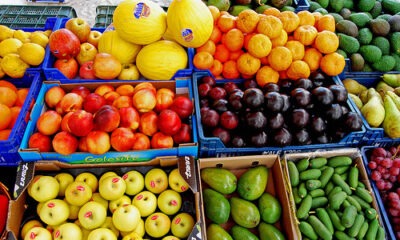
(22, 36)
(9, 45)
(13, 65)
(31, 53)
(40, 38)
(5, 32)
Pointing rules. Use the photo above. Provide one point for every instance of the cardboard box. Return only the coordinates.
(180, 87)
(23, 206)
(353, 153)
(275, 186)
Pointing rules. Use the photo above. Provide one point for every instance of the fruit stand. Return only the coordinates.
(199, 120)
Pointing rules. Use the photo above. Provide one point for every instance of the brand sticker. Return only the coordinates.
(141, 10)
(187, 34)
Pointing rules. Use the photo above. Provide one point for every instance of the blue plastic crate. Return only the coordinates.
(9, 148)
(365, 154)
(53, 74)
(348, 71)
(302, 5)
(181, 87)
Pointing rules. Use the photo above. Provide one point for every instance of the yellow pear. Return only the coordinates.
(48, 32)
(6, 32)
(22, 35)
(9, 45)
(13, 65)
(40, 38)
(31, 53)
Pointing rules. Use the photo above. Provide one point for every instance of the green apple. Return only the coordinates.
(107, 174)
(169, 237)
(64, 179)
(109, 224)
(85, 232)
(78, 193)
(52, 228)
(92, 215)
(182, 225)
(38, 233)
(114, 204)
(54, 212)
(38, 207)
(157, 224)
(146, 202)
(102, 234)
(139, 230)
(134, 182)
(112, 187)
(132, 236)
(129, 72)
(96, 197)
(73, 212)
(156, 180)
(126, 218)
(169, 202)
(68, 231)
(88, 178)
(29, 225)
(177, 182)
(44, 188)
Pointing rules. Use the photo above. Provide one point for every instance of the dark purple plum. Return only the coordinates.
(352, 122)
(220, 105)
(300, 97)
(271, 87)
(259, 139)
(302, 137)
(304, 83)
(250, 83)
(238, 141)
(285, 85)
(210, 118)
(273, 101)
(286, 103)
(222, 134)
(334, 112)
(253, 98)
(282, 137)
(322, 96)
(339, 92)
(276, 121)
(300, 118)
(216, 93)
(230, 87)
(256, 120)
(318, 125)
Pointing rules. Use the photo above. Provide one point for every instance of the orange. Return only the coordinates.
(281, 40)
(5, 116)
(235, 55)
(209, 46)
(14, 115)
(265, 75)
(214, 12)
(306, 18)
(203, 60)
(247, 20)
(296, 48)
(317, 16)
(221, 53)
(332, 64)
(259, 45)
(247, 39)
(21, 96)
(272, 11)
(226, 22)
(248, 64)
(305, 34)
(298, 69)
(4, 134)
(326, 42)
(234, 40)
(216, 68)
(216, 35)
(4, 83)
(289, 20)
(280, 58)
(8, 96)
(270, 26)
(230, 70)
(312, 57)
(326, 22)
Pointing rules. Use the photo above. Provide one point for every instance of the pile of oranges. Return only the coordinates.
(270, 46)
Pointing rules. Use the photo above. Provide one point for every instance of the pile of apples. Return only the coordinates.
(130, 206)
(122, 118)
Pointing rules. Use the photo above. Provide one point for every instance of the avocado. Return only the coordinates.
(288, 8)
(314, 6)
(260, 9)
(394, 22)
(251, 185)
(270, 208)
(360, 19)
(216, 206)
(365, 5)
(216, 232)
(370, 53)
(345, 13)
(385, 16)
(392, 6)
(364, 36)
(347, 27)
(239, 233)
(385, 64)
(336, 5)
(222, 5)
(336, 16)
(321, 10)
(379, 27)
(244, 213)
(367, 68)
(323, 3)
(357, 62)
(397, 58)
(341, 52)
(376, 10)
(395, 42)
(348, 4)
(220, 179)
(236, 9)
(348, 44)
(382, 43)
(269, 232)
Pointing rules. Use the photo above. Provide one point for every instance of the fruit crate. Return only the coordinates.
(53, 74)
(373, 136)
(23, 207)
(9, 148)
(301, 5)
(19, 16)
(347, 71)
(366, 153)
(180, 87)
(104, 15)
(353, 153)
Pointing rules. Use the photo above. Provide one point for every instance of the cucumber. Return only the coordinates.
(341, 183)
(355, 229)
(349, 216)
(337, 199)
(302, 190)
(339, 161)
(372, 230)
(319, 202)
(313, 184)
(353, 177)
(370, 213)
(323, 216)
(380, 235)
(363, 230)
(342, 236)
(293, 173)
(326, 175)
(363, 204)
(364, 194)
(304, 208)
(310, 174)
(296, 197)
(318, 162)
(307, 230)
(335, 219)
(320, 228)
(353, 202)
(317, 193)
(341, 169)
(303, 164)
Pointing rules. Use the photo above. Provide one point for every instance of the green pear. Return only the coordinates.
(391, 123)
(216, 206)
(244, 213)
(220, 179)
(382, 87)
(251, 185)
(364, 96)
(352, 86)
(239, 233)
(216, 232)
(373, 93)
(393, 79)
(373, 111)
(395, 98)
(397, 91)
(356, 100)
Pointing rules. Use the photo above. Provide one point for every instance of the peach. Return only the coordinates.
(144, 100)
(71, 102)
(103, 89)
(144, 85)
(122, 101)
(130, 118)
(80, 123)
(81, 91)
(82, 145)
(164, 99)
(21, 96)
(148, 123)
(40, 141)
(14, 115)
(5, 116)
(125, 90)
(141, 142)
(53, 96)
(4, 134)
(110, 97)
(8, 96)
(65, 143)
(98, 142)
(93, 102)
(106, 119)
(161, 140)
(64, 122)
(122, 139)
(49, 122)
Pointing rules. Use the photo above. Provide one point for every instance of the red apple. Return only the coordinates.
(40, 141)
(164, 99)
(183, 106)
(106, 119)
(111, 96)
(80, 123)
(144, 100)
(98, 142)
(54, 96)
(68, 67)
(130, 118)
(79, 27)
(183, 135)
(122, 101)
(86, 71)
(87, 53)
(81, 91)
(169, 122)
(161, 140)
(148, 123)
(141, 142)
(94, 37)
(71, 102)
(103, 89)
(64, 44)
(106, 66)
(122, 139)
(93, 102)
(49, 122)
(65, 143)
(82, 146)
(64, 122)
